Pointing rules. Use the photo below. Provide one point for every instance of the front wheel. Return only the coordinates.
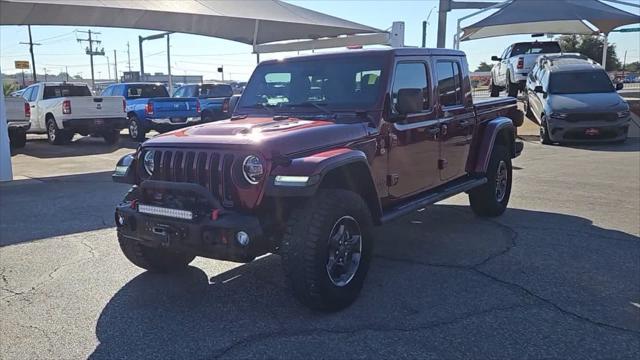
(491, 199)
(327, 249)
(544, 133)
(153, 259)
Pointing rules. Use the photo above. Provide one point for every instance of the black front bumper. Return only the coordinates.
(211, 233)
(90, 126)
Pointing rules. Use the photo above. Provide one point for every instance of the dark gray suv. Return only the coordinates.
(574, 100)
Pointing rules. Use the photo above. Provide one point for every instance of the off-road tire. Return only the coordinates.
(17, 139)
(527, 108)
(153, 259)
(494, 89)
(111, 137)
(55, 135)
(305, 249)
(137, 131)
(544, 132)
(484, 199)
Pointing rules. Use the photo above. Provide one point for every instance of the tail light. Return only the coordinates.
(66, 107)
(198, 106)
(27, 110)
(149, 108)
(520, 63)
(225, 106)
(124, 105)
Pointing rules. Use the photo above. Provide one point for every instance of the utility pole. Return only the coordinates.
(129, 56)
(45, 75)
(33, 58)
(169, 67)
(115, 64)
(66, 71)
(90, 51)
(108, 67)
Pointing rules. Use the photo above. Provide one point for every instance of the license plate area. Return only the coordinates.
(165, 233)
(592, 132)
(177, 120)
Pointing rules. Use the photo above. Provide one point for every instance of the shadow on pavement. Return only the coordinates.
(55, 206)
(426, 280)
(39, 147)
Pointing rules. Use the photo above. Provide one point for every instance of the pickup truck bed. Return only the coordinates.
(17, 120)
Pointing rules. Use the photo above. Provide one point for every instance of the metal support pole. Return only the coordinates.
(5, 152)
(115, 65)
(141, 58)
(108, 68)
(169, 67)
(605, 48)
(443, 8)
(424, 34)
(33, 58)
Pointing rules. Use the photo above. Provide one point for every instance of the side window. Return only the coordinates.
(27, 93)
(410, 76)
(107, 92)
(449, 83)
(505, 54)
(34, 93)
(545, 80)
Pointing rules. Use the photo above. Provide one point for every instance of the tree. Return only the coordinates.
(590, 46)
(9, 87)
(633, 67)
(77, 77)
(484, 67)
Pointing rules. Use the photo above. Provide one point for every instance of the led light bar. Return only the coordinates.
(282, 180)
(160, 211)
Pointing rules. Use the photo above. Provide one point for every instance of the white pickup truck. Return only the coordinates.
(62, 109)
(17, 120)
(512, 67)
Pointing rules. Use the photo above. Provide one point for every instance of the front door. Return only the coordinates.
(413, 142)
(457, 118)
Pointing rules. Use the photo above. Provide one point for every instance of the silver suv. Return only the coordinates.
(574, 100)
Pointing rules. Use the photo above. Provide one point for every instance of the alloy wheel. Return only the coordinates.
(345, 251)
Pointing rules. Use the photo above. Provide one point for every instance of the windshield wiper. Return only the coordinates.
(319, 106)
(261, 106)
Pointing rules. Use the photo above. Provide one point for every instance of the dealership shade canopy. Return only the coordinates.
(550, 17)
(247, 21)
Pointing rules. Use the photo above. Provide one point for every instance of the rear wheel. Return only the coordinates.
(137, 131)
(512, 88)
(153, 259)
(207, 117)
(111, 137)
(492, 198)
(327, 249)
(18, 139)
(57, 136)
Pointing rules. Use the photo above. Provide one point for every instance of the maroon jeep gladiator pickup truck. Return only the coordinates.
(320, 149)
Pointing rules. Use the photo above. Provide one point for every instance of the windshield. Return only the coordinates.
(535, 48)
(146, 91)
(580, 82)
(51, 92)
(345, 83)
(211, 90)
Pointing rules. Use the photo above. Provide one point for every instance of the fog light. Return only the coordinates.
(120, 219)
(242, 238)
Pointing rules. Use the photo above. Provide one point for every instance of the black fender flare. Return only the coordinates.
(492, 130)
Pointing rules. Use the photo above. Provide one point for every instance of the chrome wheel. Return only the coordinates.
(51, 131)
(345, 251)
(502, 177)
(133, 129)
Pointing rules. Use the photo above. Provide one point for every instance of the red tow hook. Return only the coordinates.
(214, 214)
(134, 204)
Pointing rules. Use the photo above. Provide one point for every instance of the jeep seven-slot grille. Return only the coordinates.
(209, 169)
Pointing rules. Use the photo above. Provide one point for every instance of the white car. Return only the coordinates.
(17, 120)
(62, 109)
(512, 67)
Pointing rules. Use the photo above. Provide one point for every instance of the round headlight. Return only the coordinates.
(148, 162)
(252, 169)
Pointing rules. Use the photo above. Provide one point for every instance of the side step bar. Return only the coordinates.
(432, 197)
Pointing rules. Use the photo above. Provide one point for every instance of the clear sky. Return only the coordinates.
(193, 54)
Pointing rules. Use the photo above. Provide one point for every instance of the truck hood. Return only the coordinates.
(595, 102)
(264, 134)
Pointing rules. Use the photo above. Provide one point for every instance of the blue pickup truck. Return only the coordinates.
(149, 107)
(214, 99)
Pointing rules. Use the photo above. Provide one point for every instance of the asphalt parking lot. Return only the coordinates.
(557, 276)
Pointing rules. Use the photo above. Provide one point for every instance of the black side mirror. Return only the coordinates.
(619, 86)
(538, 89)
(409, 101)
(495, 58)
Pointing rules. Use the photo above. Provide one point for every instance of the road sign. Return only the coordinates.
(22, 64)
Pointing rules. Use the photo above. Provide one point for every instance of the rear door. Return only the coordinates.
(414, 145)
(457, 118)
